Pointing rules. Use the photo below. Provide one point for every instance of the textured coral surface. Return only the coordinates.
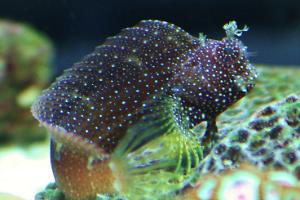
(244, 183)
(268, 138)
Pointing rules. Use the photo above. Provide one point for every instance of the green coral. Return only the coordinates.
(51, 192)
(109, 197)
(25, 59)
(269, 138)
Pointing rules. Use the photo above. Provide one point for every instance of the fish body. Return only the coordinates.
(153, 76)
(101, 96)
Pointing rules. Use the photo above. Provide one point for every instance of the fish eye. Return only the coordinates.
(228, 51)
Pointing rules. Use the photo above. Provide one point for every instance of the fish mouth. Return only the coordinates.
(253, 74)
(245, 81)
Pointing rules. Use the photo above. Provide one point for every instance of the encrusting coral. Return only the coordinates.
(269, 138)
(244, 183)
(25, 56)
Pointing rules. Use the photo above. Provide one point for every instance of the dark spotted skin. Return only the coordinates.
(100, 97)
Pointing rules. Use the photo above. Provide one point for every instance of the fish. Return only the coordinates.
(139, 95)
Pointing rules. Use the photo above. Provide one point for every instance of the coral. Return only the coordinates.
(51, 192)
(269, 138)
(25, 57)
(246, 182)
